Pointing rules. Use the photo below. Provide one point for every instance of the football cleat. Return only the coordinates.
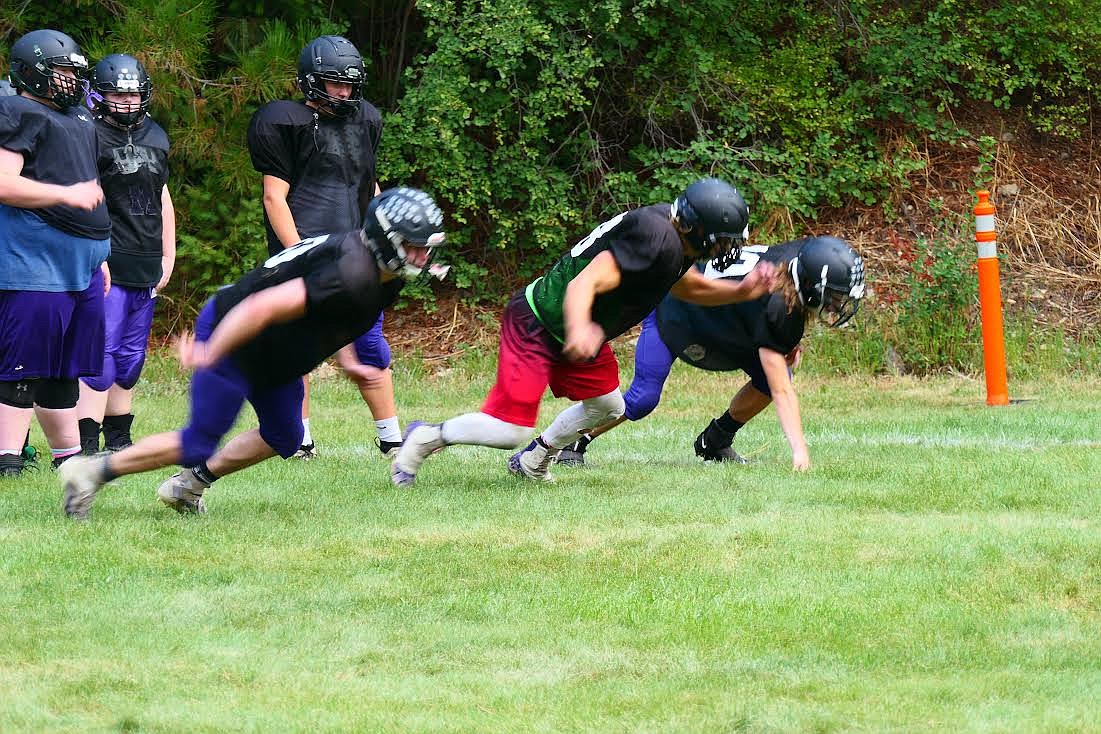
(714, 444)
(389, 449)
(533, 462)
(574, 454)
(306, 452)
(81, 478)
(183, 492)
(416, 446)
(11, 465)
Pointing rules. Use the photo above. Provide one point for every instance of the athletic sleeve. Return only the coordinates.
(267, 146)
(645, 253)
(19, 132)
(779, 330)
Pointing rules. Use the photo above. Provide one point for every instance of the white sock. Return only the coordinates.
(11, 452)
(582, 416)
(68, 451)
(389, 430)
(480, 429)
(307, 439)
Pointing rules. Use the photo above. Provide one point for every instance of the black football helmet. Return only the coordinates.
(121, 73)
(399, 216)
(36, 55)
(335, 59)
(829, 275)
(713, 217)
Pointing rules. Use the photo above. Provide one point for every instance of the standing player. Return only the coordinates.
(54, 238)
(133, 170)
(556, 331)
(255, 340)
(318, 163)
(760, 337)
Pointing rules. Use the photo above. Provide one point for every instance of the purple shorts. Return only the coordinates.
(129, 317)
(217, 395)
(372, 348)
(55, 335)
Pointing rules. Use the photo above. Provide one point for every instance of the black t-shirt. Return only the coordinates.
(57, 148)
(650, 256)
(724, 338)
(344, 298)
(133, 168)
(328, 162)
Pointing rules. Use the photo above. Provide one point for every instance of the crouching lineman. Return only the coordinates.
(760, 337)
(254, 341)
(555, 332)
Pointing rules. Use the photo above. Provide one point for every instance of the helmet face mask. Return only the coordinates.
(121, 74)
(829, 277)
(712, 217)
(401, 222)
(331, 59)
(37, 61)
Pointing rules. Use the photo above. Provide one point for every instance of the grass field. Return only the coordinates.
(938, 569)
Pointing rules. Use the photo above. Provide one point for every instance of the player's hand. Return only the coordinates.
(166, 274)
(794, 358)
(582, 343)
(365, 375)
(192, 354)
(106, 277)
(800, 461)
(761, 280)
(84, 195)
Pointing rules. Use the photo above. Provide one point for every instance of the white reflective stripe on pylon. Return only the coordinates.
(984, 223)
(987, 249)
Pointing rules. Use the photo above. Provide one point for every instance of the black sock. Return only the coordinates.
(728, 424)
(106, 473)
(203, 473)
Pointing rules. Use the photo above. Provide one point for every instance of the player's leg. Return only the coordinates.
(653, 361)
(30, 339)
(525, 357)
(92, 402)
(217, 395)
(595, 384)
(55, 408)
(129, 362)
(716, 442)
(372, 349)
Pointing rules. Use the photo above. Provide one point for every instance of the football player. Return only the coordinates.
(825, 280)
(317, 159)
(556, 331)
(54, 239)
(254, 341)
(133, 171)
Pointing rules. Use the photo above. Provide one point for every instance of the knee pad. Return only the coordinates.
(57, 394)
(605, 408)
(284, 439)
(128, 369)
(373, 350)
(639, 403)
(18, 394)
(103, 381)
(196, 447)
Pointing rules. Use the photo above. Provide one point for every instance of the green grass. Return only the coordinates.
(938, 569)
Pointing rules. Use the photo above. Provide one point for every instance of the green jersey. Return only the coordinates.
(650, 257)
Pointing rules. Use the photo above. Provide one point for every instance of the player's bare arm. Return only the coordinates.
(278, 210)
(168, 238)
(18, 191)
(695, 288)
(583, 336)
(275, 305)
(787, 405)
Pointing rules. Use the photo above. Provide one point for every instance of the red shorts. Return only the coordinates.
(530, 359)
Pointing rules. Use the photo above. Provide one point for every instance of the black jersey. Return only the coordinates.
(723, 338)
(133, 169)
(650, 256)
(57, 148)
(344, 297)
(329, 163)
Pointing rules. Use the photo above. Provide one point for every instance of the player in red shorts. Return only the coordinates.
(555, 332)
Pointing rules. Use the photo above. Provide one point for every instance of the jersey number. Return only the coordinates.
(292, 252)
(596, 234)
(726, 267)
